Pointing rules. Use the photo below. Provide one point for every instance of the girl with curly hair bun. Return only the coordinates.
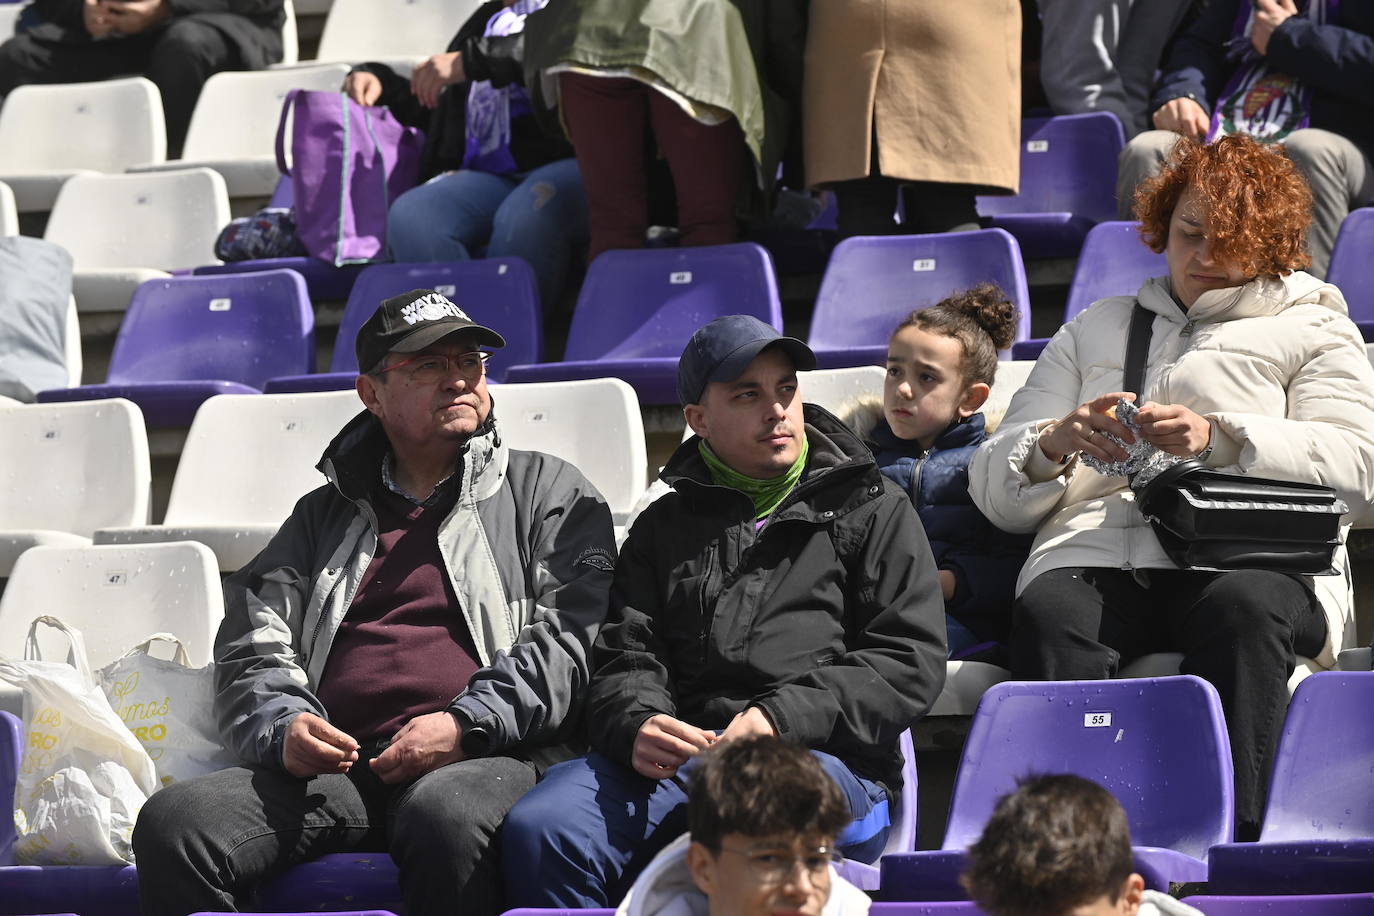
(1255, 368)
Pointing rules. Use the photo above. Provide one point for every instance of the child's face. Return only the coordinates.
(764, 876)
(924, 391)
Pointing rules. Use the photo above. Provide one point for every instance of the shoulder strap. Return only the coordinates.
(1137, 351)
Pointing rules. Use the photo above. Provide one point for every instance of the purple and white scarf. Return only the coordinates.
(491, 110)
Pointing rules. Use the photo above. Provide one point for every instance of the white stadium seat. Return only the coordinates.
(594, 424)
(9, 211)
(68, 470)
(50, 133)
(122, 230)
(9, 15)
(247, 459)
(234, 127)
(359, 30)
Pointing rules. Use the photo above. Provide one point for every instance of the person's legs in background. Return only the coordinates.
(25, 60)
(185, 53)
(1341, 179)
(932, 206)
(1141, 159)
(1239, 631)
(446, 217)
(709, 165)
(606, 119)
(544, 221)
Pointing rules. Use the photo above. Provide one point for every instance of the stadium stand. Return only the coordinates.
(246, 461)
(234, 127)
(501, 291)
(122, 230)
(119, 123)
(1159, 745)
(1350, 267)
(1068, 183)
(637, 307)
(9, 211)
(68, 470)
(385, 30)
(1318, 832)
(1114, 262)
(872, 281)
(186, 339)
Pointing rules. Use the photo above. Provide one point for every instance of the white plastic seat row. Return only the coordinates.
(383, 30)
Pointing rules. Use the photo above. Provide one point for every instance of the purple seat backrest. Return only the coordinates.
(950, 907)
(873, 282)
(11, 753)
(534, 911)
(1114, 262)
(1068, 165)
(1323, 783)
(332, 913)
(648, 302)
(1297, 905)
(1158, 744)
(1350, 258)
(232, 327)
(500, 293)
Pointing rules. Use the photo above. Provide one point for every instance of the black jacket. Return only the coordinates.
(830, 618)
(499, 59)
(1336, 60)
(252, 26)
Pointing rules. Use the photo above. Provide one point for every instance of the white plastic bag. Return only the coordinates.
(168, 705)
(84, 776)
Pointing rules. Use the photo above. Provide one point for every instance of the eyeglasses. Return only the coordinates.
(773, 866)
(427, 368)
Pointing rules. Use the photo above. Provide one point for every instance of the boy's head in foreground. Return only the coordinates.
(763, 816)
(1057, 846)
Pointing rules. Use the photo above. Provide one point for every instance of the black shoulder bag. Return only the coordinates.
(1211, 520)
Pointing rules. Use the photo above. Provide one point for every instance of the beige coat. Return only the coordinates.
(940, 80)
(1276, 363)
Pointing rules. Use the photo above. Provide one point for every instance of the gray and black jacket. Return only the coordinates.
(530, 547)
(830, 618)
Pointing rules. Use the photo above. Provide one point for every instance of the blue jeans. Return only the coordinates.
(540, 216)
(584, 833)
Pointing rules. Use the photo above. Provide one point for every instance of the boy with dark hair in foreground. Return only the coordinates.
(1060, 845)
(763, 816)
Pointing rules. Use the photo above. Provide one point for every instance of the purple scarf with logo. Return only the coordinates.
(491, 110)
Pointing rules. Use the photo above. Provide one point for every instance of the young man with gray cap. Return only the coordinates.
(407, 654)
(783, 587)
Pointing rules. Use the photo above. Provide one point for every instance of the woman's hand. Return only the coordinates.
(1174, 428)
(363, 87)
(429, 79)
(1081, 431)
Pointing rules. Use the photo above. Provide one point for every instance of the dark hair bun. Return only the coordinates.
(990, 308)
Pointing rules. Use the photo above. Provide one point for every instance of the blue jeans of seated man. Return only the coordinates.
(540, 215)
(586, 831)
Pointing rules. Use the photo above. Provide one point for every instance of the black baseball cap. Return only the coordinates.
(411, 322)
(722, 350)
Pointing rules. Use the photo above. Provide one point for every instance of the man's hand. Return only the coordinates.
(1174, 428)
(131, 17)
(753, 721)
(430, 78)
(1269, 15)
(363, 87)
(948, 583)
(95, 16)
(1183, 116)
(424, 743)
(313, 747)
(664, 744)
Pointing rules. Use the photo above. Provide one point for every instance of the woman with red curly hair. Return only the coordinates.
(1255, 368)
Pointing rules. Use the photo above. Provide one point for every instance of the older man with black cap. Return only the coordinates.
(783, 587)
(409, 652)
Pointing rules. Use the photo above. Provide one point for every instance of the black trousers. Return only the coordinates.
(1238, 630)
(204, 845)
(178, 57)
(866, 205)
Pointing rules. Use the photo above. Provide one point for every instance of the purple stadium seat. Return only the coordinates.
(92, 890)
(186, 339)
(322, 279)
(1318, 833)
(498, 292)
(1293, 905)
(1068, 183)
(302, 913)
(638, 308)
(873, 282)
(535, 911)
(11, 754)
(1114, 262)
(941, 908)
(902, 836)
(1350, 259)
(1158, 744)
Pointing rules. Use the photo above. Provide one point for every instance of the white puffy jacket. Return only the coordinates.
(1278, 365)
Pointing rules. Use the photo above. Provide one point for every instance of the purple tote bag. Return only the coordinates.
(349, 162)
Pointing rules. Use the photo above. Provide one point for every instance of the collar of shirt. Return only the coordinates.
(390, 483)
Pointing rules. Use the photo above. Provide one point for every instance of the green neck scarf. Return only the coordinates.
(766, 494)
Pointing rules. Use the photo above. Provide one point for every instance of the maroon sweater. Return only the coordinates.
(403, 648)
